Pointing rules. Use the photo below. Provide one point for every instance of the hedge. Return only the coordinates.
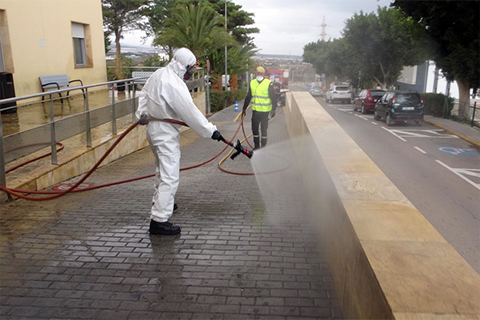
(434, 104)
(217, 98)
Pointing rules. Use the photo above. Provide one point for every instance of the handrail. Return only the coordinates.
(51, 92)
(194, 83)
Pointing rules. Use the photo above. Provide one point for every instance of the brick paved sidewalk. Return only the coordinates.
(89, 255)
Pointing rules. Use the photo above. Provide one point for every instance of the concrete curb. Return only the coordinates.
(454, 133)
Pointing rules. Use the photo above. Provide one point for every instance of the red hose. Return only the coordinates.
(17, 192)
(62, 193)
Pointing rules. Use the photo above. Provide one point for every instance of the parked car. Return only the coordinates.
(317, 91)
(400, 106)
(367, 99)
(341, 93)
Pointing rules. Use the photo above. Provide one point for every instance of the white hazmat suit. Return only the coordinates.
(166, 96)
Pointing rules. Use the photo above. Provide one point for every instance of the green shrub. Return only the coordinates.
(112, 72)
(220, 99)
(437, 104)
(240, 94)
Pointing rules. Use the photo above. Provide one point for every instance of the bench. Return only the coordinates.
(141, 74)
(56, 81)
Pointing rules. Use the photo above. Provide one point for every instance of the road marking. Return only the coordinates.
(420, 150)
(375, 123)
(396, 135)
(362, 117)
(459, 152)
(416, 133)
(462, 172)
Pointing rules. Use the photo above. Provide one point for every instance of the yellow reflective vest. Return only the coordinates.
(260, 100)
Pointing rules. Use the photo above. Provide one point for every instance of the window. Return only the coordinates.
(79, 47)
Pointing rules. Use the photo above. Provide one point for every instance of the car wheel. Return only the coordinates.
(363, 109)
(389, 121)
(376, 116)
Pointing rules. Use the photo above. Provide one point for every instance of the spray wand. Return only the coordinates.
(238, 146)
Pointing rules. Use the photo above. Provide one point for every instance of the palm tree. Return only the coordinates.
(197, 27)
(239, 62)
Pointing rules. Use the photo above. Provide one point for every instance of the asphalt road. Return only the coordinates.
(438, 172)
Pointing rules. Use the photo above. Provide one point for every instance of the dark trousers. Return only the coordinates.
(259, 119)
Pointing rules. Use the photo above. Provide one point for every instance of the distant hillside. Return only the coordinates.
(278, 56)
(128, 49)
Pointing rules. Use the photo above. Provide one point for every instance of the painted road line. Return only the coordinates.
(415, 133)
(375, 123)
(420, 150)
(462, 172)
(361, 117)
(396, 135)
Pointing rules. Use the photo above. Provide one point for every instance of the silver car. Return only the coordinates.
(316, 91)
(339, 93)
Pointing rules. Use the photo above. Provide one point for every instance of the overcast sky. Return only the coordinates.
(286, 26)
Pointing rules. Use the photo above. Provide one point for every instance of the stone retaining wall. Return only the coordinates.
(387, 260)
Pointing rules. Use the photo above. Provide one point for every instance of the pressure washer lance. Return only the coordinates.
(237, 146)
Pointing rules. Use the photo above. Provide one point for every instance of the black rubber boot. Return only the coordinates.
(256, 142)
(264, 142)
(163, 228)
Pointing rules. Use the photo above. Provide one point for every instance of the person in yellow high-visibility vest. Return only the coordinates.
(264, 101)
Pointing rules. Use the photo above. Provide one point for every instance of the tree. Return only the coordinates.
(237, 21)
(375, 45)
(195, 27)
(383, 43)
(453, 26)
(120, 16)
(154, 61)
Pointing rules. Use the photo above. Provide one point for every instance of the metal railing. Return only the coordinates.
(23, 143)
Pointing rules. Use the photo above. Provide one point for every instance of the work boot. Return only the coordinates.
(165, 228)
(264, 142)
(256, 142)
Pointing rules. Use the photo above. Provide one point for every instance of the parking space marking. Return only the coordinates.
(459, 152)
(420, 150)
(462, 173)
(417, 133)
(396, 135)
(366, 118)
(373, 122)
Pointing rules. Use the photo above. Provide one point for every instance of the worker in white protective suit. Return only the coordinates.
(166, 96)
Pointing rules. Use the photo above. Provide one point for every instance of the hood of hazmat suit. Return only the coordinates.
(166, 96)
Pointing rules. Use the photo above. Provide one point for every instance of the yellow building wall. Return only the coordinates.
(40, 36)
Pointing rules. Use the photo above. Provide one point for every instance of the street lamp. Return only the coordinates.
(226, 48)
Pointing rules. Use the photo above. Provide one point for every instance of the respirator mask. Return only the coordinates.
(259, 78)
(189, 73)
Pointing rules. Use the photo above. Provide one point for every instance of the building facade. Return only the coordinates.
(47, 37)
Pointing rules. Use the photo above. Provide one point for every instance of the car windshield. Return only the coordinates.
(408, 97)
(317, 88)
(377, 93)
(342, 88)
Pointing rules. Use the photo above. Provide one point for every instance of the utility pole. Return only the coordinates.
(226, 80)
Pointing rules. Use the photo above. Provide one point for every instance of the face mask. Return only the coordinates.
(259, 78)
(188, 74)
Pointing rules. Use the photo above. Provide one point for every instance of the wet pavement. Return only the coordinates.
(239, 256)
